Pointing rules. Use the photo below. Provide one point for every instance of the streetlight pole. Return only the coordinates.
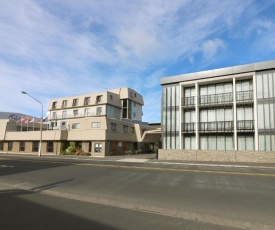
(40, 143)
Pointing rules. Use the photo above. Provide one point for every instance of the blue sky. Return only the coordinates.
(60, 48)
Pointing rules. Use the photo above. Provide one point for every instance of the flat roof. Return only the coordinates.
(219, 72)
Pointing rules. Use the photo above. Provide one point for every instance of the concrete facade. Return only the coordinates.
(220, 112)
(98, 124)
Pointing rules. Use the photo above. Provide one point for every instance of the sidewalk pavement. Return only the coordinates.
(149, 158)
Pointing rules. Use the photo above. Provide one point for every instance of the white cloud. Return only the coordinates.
(60, 48)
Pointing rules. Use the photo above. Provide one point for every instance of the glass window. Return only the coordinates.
(64, 114)
(99, 98)
(98, 111)
(50, 146)
(35, 146)
(270, 83)
(113, 126)
(228, 87)
(125, 128)
(75, 112)
(75, 102)
(260, 116)
(259, 87)
(221, 143)
(241, 142)
(54, 105)
(87, 112)
(1, 145)
(265, 81)
(98, 147)
(212, 143)
(229, 143)
(262, 142)
(249, 145)
(10, 145)
(187, 144)
(132, 129)
(22, 146)
(203, 143)
(54, 115)
(266, 116)
(64, 104)
(228, 115)
(95, 124)
(211, 89)
(87, 100)
(203, 90)
(75, 126)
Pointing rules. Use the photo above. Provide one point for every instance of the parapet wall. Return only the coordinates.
(215, 155)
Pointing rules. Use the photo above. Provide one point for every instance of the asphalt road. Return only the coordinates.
(50, 193)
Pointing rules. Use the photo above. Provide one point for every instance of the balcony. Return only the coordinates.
(216, 126)
(216, 99)
(188, 101)
(188, 127)
(79, 115)
(244, 97)
(245, 126)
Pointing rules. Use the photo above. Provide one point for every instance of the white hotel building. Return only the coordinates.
(222, 109)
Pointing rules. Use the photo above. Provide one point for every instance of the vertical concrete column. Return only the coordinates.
(235, 115)
(197, 115)
(180, 115)
(256, 137)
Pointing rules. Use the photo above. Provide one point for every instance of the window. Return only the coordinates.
(95, 124)
(35, 145)
(54, 105)
(54, 115)
(87, 100)
(75, 112)
(64, 114)
(132, 129)
(111, 97)
(64, 104)
(87, 112)
(75, 102)
(50, 146)
(10, 145)
(98, 111)
(1, 145)
(98, 99)
(75, 126)
(113, 126)
(22, 146)
(135, 104)
(125, 128)
(98, 147)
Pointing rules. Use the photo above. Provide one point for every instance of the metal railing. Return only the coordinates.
(188, 127)
(244, 96)
(188, 101)
(216, 126)
(245, 125)
(216, 99)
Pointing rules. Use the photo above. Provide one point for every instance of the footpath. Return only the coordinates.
(145, 158)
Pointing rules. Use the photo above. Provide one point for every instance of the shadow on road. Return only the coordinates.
(26, 210)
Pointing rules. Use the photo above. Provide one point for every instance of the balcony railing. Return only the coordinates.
(188, 101)
(245, 125)
(79, 115)
(216, 126)
(244, 96)
(216, 99)
(188, 127)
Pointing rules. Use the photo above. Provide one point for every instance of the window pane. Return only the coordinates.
(241, 142)
(203, 143)
(260, 116)
(261, 142)
(228, 88)
(229, 143)
(203, 90)
(259, 87)
(265, 84)
(266, 116)
(212, 143)
(228, 114)
(187, 144)
(249, 143)
(221, 143)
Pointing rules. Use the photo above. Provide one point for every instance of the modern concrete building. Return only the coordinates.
(104, 123)
(222, 109)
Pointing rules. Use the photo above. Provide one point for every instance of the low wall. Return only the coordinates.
(215, 155)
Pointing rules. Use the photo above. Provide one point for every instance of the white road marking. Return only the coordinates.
(6, 166)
